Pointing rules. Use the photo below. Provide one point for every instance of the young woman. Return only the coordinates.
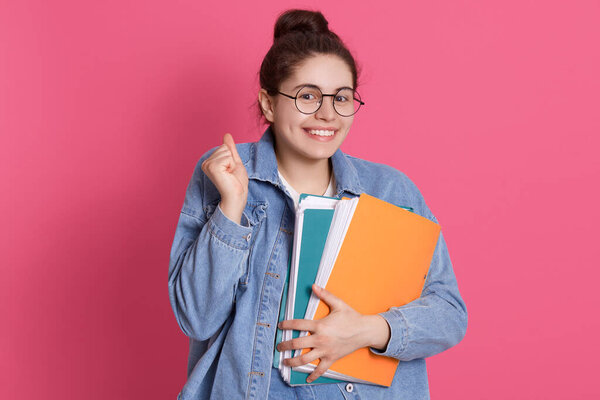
(232, 243)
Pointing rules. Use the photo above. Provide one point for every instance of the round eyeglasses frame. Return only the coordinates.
(295, 98)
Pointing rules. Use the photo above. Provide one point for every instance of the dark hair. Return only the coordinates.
(298, 35)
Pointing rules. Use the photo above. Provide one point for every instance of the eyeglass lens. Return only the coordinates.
(345, 102)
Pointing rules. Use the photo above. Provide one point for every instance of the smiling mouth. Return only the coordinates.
(320, 132)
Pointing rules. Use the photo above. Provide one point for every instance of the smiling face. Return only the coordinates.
(315, 136)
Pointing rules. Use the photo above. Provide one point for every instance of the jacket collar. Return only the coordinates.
(262, 165)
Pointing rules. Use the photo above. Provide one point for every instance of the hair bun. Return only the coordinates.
(300, 21)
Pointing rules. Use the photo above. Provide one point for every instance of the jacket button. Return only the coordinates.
(248, 236)
(349, 388)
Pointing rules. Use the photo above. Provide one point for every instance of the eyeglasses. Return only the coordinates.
(309, 99)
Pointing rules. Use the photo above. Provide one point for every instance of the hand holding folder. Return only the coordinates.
(341, 332)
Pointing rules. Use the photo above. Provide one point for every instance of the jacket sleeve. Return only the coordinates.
(206, 262)
(434, 322)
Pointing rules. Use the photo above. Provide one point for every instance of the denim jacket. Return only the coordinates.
(226, 282)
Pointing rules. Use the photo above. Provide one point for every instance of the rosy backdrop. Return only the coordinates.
(492, 108)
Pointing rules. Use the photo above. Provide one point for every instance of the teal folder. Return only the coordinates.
(315, 228)
(314, 234)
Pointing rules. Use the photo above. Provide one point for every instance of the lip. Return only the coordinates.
(321, 138)
(320, 128)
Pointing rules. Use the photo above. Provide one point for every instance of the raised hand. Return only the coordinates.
(341, 332)
(226, 171)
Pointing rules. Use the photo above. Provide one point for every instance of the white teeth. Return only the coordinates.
(320, 132)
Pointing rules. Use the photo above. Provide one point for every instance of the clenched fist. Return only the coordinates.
(226, 171)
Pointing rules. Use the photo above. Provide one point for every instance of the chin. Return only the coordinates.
(320, 155)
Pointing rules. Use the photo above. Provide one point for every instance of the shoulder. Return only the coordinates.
(380, 177)
(389, 184)
(370, 169)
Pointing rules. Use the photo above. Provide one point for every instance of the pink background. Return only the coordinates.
(492, 108)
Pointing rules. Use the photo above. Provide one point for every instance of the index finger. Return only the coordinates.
(228, 141)
(332, 300)
(298, 325)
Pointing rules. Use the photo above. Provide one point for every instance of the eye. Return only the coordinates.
(307, 96)
(341, 99)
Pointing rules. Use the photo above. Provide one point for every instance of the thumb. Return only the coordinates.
(332, 301)
(228, 141)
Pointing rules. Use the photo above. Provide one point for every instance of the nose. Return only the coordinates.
(326, 112)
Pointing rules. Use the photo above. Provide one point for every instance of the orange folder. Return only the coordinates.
(383, 262)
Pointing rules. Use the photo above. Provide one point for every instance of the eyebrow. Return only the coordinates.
(315, 86)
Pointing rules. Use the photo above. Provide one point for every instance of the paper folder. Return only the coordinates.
(312, 227)
(383, 262)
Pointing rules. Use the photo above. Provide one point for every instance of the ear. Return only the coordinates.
(266, 104)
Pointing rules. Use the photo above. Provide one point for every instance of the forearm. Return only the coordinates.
(204, 272)
(375, 332)
(423, 328)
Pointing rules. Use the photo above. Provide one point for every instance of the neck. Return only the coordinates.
(305, 175)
